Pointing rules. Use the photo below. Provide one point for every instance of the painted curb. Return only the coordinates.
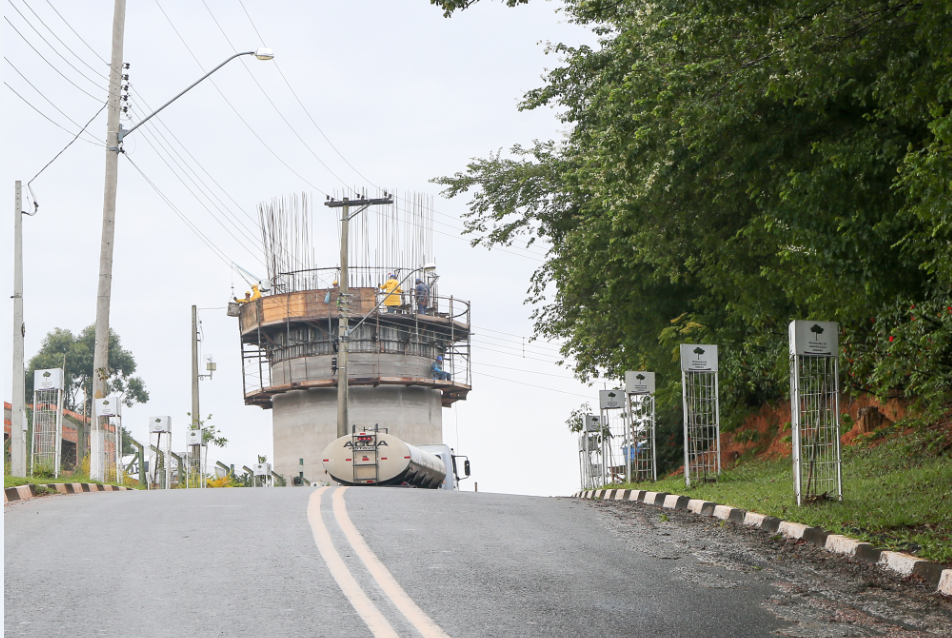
(28, 491)
(933, 574)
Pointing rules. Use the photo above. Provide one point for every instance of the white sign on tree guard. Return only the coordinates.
(193, 437)
(815, 411)
(639, 382)
(51, 379)
(701, 409)
(697, 357)
(814, 338)
(611, 399)
(47, 438)
(592, 423)
(262, 469)
(107, 407)
(160, 424)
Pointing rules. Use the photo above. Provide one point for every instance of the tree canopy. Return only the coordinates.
(77, 350)
(732, 166)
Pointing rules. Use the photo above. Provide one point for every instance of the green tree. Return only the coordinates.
(62, 348)
(730, 167)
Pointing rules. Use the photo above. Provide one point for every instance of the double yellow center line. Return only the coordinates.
(379, 626)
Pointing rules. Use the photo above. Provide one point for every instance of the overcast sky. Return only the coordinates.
(402, 93)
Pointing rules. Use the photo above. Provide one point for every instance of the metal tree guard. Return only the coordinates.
(590, 453)
(160, 465)
(47, 422)
(640, 450)
(815, 410)
(102, 466)
(702, 422)
(614, 435)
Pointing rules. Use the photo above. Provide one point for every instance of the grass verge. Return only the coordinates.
(896, 495)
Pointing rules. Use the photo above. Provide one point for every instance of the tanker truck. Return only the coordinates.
(375, 457)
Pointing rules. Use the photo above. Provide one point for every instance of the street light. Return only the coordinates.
(262, 53)
(115, 135)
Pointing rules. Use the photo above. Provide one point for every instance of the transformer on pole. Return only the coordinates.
(640, 450)
(815, 410)
(702, 421)
(47, 422)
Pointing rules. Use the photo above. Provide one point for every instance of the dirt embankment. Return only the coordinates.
(766, 433)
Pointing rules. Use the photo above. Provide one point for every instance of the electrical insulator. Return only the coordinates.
(334, 364)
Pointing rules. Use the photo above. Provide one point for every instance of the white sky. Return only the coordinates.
(404, 94)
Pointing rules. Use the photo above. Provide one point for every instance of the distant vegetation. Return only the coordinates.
(729, 167)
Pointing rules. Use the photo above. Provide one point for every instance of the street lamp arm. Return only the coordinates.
(124, 132)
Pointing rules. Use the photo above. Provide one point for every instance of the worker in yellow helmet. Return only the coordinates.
(393, 290)
(255, 292)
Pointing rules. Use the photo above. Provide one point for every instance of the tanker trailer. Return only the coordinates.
(372, 457)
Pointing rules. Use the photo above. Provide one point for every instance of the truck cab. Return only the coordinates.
(445, 453)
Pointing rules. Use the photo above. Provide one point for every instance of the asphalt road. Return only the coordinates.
(404, 562)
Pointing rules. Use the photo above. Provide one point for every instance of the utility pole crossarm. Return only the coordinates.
(334, 203)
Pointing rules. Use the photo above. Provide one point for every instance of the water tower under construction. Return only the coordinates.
(408, 346)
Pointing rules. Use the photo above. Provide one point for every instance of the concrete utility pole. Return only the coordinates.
(18, 401)
(343, 323)
(101, 349)
(194, 451)
(343, 347)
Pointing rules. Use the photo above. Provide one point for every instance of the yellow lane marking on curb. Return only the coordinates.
(368, 612)
(401, 600)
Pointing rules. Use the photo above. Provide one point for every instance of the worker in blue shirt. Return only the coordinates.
(438, 372)
(422, 292)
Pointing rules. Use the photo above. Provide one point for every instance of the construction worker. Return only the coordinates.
(327, 295)
(422, 292)
(393, 290)
(245, 300)
(437, 368)
(255, 293)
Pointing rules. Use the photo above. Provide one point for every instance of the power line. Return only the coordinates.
(324, 135)
(58, 39)
(82, 90)
(50, 102)
(217, 251)
(62, 57)
(532, 385)
(66, 22)
(243, 121)
(547, 374)
(48, 118)
(75, 137)
(201, 185)
(198, 199)
(516, 355)
(270, 101)
(306, 111)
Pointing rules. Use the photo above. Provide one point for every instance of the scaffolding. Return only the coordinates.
(640, 451)
(814, 411)
(702, 429)
(590, 453)
(160, 467)
(47, 445)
